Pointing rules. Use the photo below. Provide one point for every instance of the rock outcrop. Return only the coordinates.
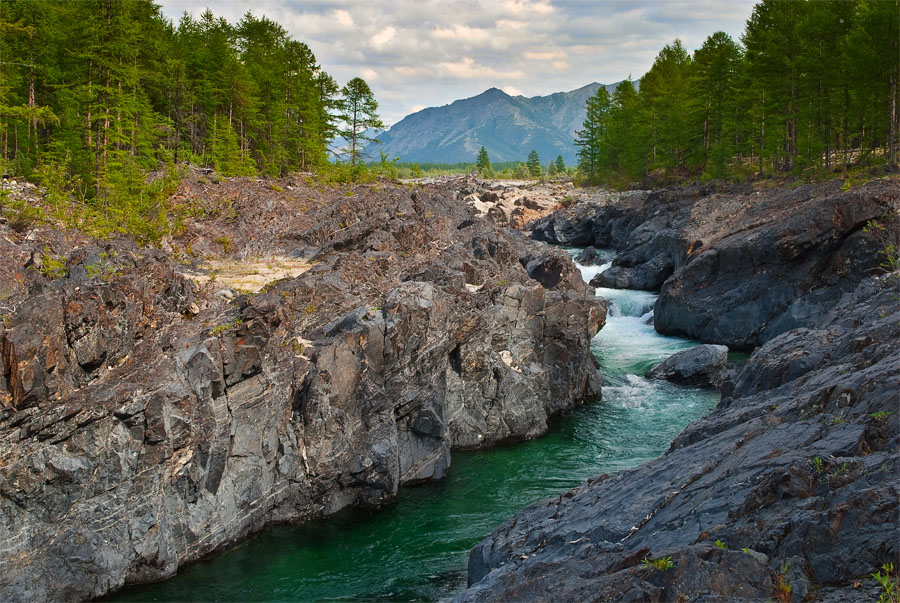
(701, 366)
(788, 490)
(734, 266)
(146, 421)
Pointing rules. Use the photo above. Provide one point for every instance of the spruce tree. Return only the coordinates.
(534, 164)
(359, 108)
(483, 163)
(593, 137)
(560, 164)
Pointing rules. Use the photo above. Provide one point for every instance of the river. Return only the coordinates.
(417, 548)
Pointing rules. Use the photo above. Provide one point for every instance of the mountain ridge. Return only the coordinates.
(507, 126)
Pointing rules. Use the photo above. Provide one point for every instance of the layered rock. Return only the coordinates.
(788, 490)
(146, 421)
(792, 258)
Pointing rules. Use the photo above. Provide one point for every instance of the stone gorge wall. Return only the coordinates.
(146, 423)
(789, 489)
(736, 266)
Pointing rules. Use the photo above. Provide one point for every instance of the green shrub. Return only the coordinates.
(662, 564)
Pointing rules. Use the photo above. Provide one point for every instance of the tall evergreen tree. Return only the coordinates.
(592, 139)
(534, 164)
(483, 163)
(713, 85)
(359, 113)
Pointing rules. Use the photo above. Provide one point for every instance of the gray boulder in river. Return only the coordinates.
(701, 366)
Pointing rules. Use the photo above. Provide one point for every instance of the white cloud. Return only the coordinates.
(467, 68)
(546, 55)
(519, 7)
(461, 33)
(382, 38)
(416, 108)
(344, 18)
(432, 52)
(513, 91)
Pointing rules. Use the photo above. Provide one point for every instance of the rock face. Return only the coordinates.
(788, 489)
(146, 422)
(734, 266)
(701, 366)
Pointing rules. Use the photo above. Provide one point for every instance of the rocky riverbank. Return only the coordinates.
(789, 489)
(159, 405)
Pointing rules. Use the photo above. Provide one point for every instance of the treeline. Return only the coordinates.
(812, 89)
(98, 93)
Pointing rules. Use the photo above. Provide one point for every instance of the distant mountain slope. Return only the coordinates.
(508, 127)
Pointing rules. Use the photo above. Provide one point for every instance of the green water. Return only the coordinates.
(417, 548)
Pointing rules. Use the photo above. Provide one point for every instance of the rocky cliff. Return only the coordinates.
(733, 265)
(156, 406)
(789, 489)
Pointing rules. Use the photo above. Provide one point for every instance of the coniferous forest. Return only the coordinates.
(810, 90)
(96, 94)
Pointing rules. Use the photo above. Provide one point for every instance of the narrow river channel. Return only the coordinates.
(417, 548)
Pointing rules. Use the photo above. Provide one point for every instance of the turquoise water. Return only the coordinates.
(417, 548)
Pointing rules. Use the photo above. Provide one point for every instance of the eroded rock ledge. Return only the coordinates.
(146, 421)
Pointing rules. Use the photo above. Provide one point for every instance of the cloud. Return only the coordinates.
(519, 7)
(416, 108)
(382, 38)
(461, 33)
(546, 55)
(513, 91)
(432, 52)
(344, 18)
(467, 68)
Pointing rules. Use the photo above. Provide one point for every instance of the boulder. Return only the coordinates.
(700, 366)
(587, 257)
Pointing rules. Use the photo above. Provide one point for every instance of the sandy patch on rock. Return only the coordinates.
(249, 275)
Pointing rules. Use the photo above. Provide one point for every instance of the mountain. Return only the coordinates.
(508, 127)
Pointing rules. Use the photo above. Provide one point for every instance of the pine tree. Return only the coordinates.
(560, 165)
(534, 164)
(712, 89)
(483, 164)
(593, 137)
(359, 108)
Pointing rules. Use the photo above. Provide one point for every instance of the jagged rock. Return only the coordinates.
(734, 266)
(800, 468)
(700, 366)
(587, 257)
(147, 421)
(785, 270)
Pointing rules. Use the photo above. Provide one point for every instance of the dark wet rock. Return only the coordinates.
(785, 270)
(146, 421)
(587, 256)
(800, 467)
(700, 366)
(733, 266)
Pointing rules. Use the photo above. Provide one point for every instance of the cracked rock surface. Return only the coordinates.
(147, 420)
(790, 488)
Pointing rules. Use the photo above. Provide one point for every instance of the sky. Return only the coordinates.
(427, 53)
